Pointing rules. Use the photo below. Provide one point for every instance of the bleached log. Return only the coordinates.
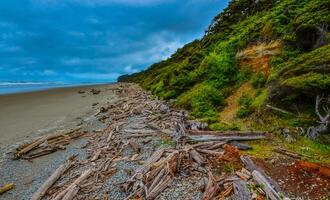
(241, 190)
(267, 187)
(80, 179)
(51, 180)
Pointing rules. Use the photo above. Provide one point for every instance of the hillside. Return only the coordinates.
(260, 66)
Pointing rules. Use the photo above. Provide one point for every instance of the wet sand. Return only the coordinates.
(27, 115)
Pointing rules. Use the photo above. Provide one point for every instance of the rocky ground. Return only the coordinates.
(139, 147)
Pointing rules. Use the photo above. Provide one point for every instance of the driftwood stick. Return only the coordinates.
(7, 187)
(51, 180)
(96, 155)
(81, 178)
(72, 192)
(110, 136)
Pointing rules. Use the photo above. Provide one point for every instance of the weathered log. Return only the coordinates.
(51, 180)
(7, 187)
(241, 190)
(249, 164)
(80, 179)
(205, 138)
(267, 187)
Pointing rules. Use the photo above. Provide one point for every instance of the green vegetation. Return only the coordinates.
(205, 72)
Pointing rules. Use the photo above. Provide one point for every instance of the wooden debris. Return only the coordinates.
(51, 180)
(211, 189)
(96, 155)
(7, 187)
(135, 146)
(76, 183)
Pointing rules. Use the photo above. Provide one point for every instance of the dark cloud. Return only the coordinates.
(94, 40)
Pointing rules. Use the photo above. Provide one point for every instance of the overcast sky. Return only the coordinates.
(95, 40)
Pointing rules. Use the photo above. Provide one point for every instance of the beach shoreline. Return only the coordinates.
(27, 115)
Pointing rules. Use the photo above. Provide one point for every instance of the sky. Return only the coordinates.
(95, 40)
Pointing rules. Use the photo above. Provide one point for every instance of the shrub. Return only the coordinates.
(203, 99)
(258, 80)
(245, 102)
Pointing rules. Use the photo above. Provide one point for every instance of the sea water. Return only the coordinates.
(20, 87)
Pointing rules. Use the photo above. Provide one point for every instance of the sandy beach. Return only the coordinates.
(27, 115)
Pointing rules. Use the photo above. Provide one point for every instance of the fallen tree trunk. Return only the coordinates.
(51, 180)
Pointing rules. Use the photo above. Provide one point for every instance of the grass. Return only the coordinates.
(313, 151)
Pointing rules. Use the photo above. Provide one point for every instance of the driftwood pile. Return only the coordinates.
(138, 123)
(46, 144)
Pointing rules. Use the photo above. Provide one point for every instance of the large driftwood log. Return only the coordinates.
(78, 181)
(241, 190)
(51, 180)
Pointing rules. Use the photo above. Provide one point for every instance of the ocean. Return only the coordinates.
(21, 87)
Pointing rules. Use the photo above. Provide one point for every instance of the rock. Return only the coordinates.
(95, 91)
